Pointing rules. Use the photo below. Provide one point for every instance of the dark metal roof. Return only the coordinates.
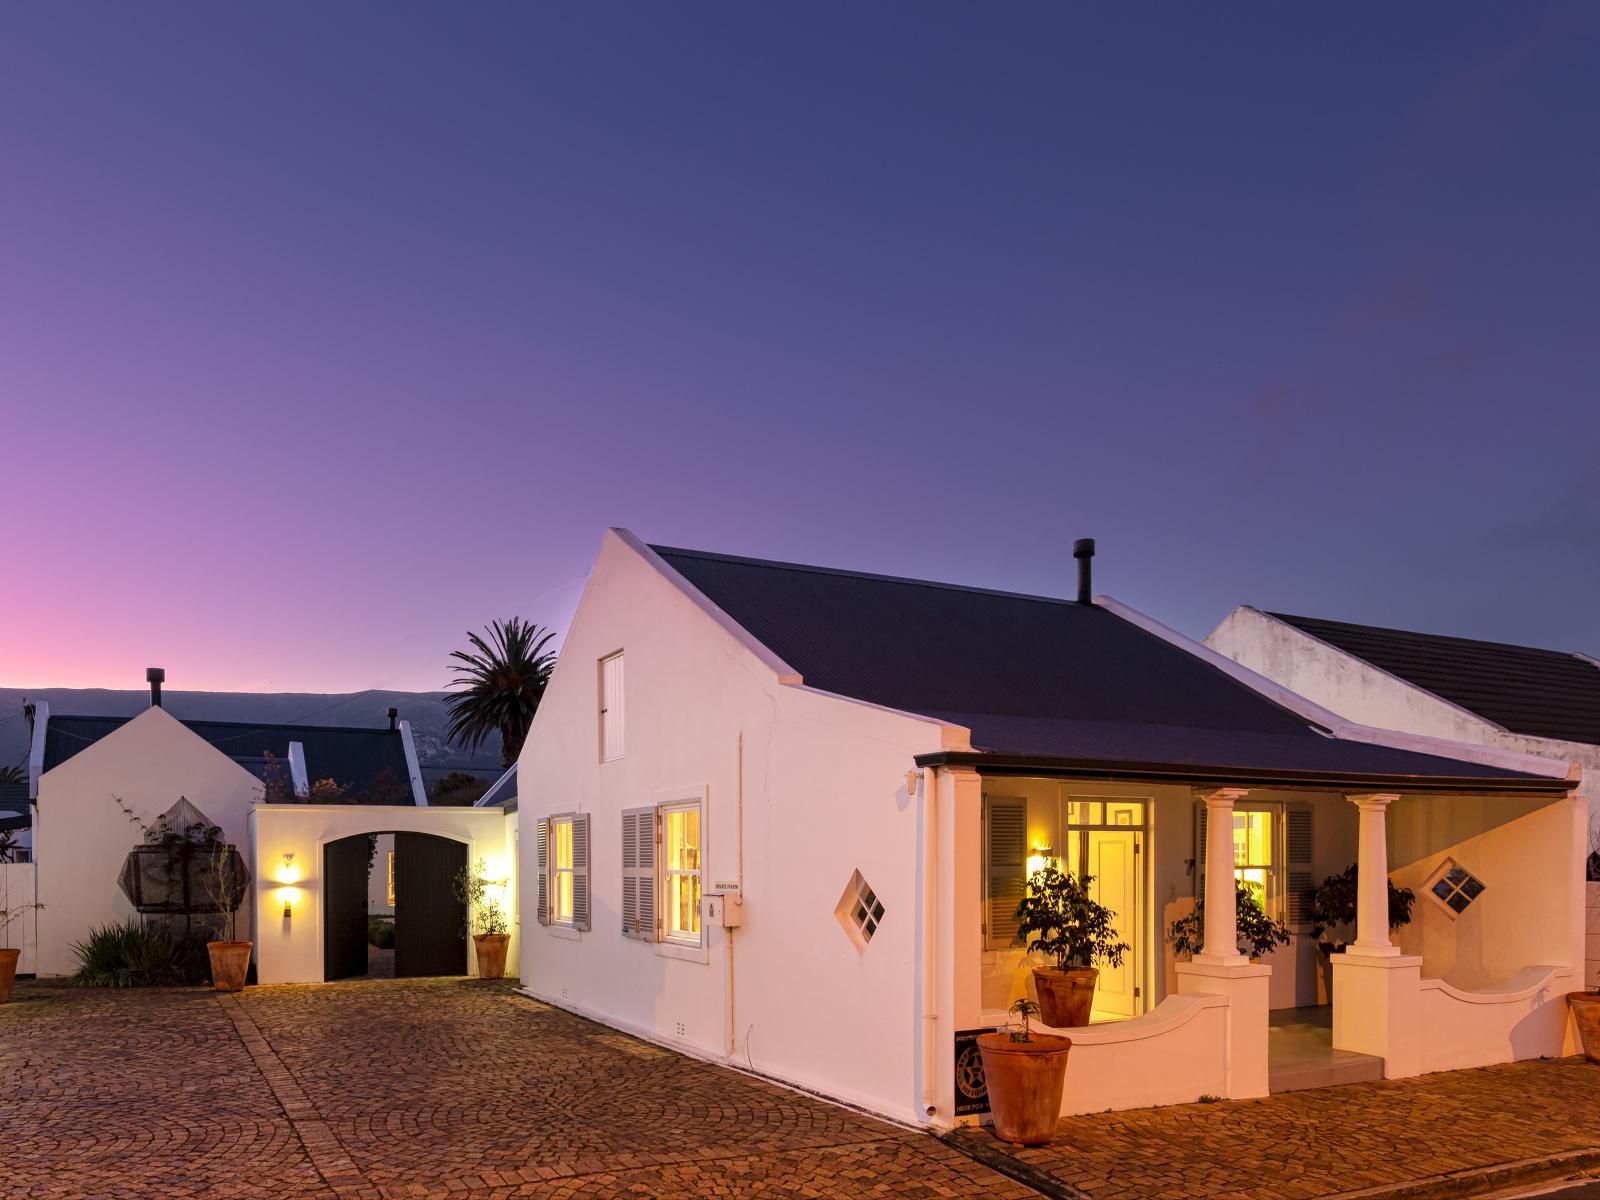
(14, 796)
(1539, 693)
(1045, 682)
(13, 822)
(371, 762)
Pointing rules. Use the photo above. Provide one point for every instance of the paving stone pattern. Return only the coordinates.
(371, 1090)
(1330, 1141)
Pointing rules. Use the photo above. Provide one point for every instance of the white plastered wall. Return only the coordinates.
(17, 882)
(824, 786)
(289, 949)
(82, 836)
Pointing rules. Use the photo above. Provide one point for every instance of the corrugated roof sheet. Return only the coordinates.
(367, 760)
(1539, 693)
(1033, 677)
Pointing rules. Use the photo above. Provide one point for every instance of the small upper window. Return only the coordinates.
(1454, 886)
(611, 707)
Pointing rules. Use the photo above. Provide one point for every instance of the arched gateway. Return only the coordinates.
(430, 923)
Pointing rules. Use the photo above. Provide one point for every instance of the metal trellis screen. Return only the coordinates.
(184, 869)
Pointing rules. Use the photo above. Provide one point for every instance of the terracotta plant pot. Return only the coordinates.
(1586, 1012)
(1025, 1081)
(1066, 998)
(8, 972)
(491, 948)
(230, 962)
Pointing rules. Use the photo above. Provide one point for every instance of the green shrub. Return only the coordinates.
(134, 955)
(380, 932)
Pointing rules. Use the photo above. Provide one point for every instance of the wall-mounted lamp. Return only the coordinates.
(1039, 859)
(288, 872)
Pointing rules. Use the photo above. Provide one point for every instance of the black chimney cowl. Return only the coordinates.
(1083, 551)
(394, 718)
(155, 677)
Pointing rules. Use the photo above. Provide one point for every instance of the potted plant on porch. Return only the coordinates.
(1333, 905)
(1024, 1073)
(10, 954)
(1258, 933)
(1059, 919)
(488, 919)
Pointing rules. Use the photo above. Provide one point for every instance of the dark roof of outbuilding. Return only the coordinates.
(371, 762)
(1538, 693)
(12, 821)
(14, 796)
(1043, 682)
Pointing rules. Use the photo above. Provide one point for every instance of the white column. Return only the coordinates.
(1220, 944)
(1372, 879)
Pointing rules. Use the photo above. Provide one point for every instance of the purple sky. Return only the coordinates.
(329, 331)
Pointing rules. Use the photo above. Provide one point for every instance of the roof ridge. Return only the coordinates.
(54, 717)
(1442, 637)
(808, 568)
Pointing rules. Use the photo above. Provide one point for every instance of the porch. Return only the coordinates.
(1477, 977)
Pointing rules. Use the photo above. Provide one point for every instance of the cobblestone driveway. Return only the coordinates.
(411, 1088)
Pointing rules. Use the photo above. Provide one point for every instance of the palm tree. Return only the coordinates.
(499, 685)
(13, 775)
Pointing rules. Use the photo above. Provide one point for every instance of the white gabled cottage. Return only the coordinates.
(782, 815)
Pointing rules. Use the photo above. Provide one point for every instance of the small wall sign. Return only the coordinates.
(972, 1094)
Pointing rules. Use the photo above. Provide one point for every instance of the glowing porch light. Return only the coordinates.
(1041, 858)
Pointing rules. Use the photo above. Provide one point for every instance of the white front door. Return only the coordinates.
(1114, 864)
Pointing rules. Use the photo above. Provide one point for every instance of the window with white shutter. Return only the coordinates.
(1302, 885)
(580, 871)
(1005, 861)
(639, 874)
(541, 843)
(569, 870)
(611, 708)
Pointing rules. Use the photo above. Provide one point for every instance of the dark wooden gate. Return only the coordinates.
(344, 908)
(430, 924)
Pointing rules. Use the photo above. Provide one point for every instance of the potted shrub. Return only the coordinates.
(1585, 1008)
(1259, 934)
(1333, 905)
(1025, 1074)
(9, 955)
(1058, 919)
(487, 917)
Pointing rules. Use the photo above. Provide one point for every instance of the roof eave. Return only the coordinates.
(1188, 773)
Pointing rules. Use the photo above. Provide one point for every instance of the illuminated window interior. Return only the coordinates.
(561, 870)
(1252, 852)
(681, 872)
(391, 879)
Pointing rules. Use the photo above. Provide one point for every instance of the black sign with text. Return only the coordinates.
(972, 1096)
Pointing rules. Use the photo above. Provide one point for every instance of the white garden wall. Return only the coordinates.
(16, 891)
(81, 836)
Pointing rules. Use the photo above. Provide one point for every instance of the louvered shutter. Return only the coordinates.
(1005, 868)
(1199, 850)
(1301, 882)
(580, 871)
(542, 853)
(639, 874)
(612, 709)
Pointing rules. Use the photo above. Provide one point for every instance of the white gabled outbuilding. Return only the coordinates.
(782, 815)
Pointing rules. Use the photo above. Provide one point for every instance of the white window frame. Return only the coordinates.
(569, 921)
(612, 748)
(667, 945)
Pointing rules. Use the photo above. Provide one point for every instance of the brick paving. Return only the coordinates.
(380, 1090)
(373, 1090)
(1329, 1142)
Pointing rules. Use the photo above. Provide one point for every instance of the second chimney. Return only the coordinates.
(1083, 551)
(155, 677)
(394, 718)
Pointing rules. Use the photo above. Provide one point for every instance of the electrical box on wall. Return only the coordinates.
(723, 908)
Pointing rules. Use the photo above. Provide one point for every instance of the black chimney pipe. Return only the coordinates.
(394, 717)
(1083, 551)
(155, 677)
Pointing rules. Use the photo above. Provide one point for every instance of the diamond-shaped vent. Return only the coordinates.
(1454, 886)
(859, 911)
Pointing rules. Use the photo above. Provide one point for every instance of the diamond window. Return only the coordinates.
(1454, 886)
(859, 911)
